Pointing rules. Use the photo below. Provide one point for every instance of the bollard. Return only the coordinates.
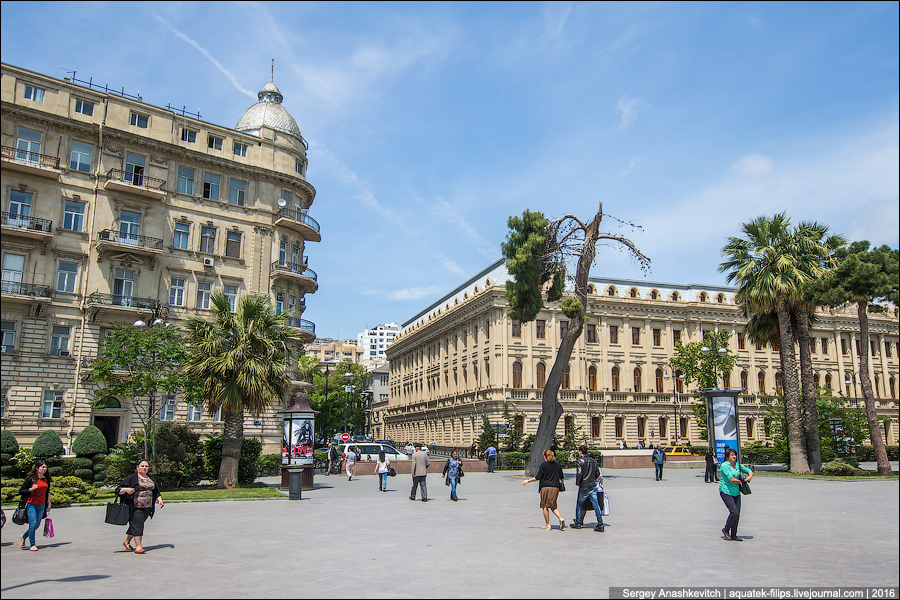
(295, 486)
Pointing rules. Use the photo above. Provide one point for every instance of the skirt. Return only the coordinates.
(548, 497)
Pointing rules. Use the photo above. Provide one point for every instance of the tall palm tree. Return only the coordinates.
(239, 362)
(769, 272)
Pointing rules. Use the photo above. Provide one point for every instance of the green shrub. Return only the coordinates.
(98, 458)
(68, 490)
(178, 463)
(512, 459)
(320, 458)
(86, 475)
(82, 462)
(9, 494)
(7, 471)
(8, 443)
(867, 453)
(248, 467)
(99, 477)
(840, 467)
(89, 442)
(24, 461)
(760, 455)
(270, 464)
(65, 467)
(47, 445)
(16, 482)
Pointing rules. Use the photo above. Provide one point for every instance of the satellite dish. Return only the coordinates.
(282, 202)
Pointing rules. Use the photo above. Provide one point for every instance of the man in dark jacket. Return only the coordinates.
(587, 476)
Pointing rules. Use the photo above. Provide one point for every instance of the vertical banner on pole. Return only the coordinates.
(722, 419)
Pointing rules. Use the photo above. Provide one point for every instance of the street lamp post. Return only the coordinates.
(349, 390)
(675, 377)
(157, 316)
(717, 352)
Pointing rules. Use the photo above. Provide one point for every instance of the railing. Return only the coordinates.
(141, 241)
(98, 298)
(25, 289)
(26, 222)
(137, 179)
(302, 324)
(617, 397)
(299, 216)
(297, 268)
(31, 158)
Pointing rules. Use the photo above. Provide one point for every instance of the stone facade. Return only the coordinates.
(462, 357)
(113, 208)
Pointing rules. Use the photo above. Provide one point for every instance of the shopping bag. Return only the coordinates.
(604, 510)
(116, 512)
(48, 527)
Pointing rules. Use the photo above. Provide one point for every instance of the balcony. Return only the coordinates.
(308, 333)
(25, 290)
(135, 183)
(32, 163)
(100, 302)
(117, 241)
(26, 226)
(301, 274)
(300, 222)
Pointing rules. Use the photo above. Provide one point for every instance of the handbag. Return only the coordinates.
(48, 527)
(562, 481)
(392, 472)
(117, 512)
(20, 517)
(743, 486)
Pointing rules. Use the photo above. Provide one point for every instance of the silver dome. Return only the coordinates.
(269, 112)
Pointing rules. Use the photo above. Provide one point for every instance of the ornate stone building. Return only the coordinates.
(113, 208)
(462, 357)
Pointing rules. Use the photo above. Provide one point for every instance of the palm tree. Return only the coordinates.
(239, 362)
(769, 272)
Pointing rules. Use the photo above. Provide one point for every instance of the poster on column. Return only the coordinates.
(725, 421)
(298, 441)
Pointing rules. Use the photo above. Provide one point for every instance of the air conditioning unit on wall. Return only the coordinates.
(209, 262)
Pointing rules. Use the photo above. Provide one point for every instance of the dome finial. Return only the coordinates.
(272, 78)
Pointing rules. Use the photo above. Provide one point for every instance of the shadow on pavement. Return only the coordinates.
(73, 579)
(159, 547)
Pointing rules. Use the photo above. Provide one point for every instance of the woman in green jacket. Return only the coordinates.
(731, 495)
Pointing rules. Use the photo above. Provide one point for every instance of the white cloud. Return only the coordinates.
(448, 213)
(555, 15)
(416, 293)
(206, 53)
(627, 111)
(633, 163)
(754, 164)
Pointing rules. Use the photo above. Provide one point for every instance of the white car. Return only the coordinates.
(409, 449)
(369, 449)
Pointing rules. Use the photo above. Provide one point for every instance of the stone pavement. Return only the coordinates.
(346, 539)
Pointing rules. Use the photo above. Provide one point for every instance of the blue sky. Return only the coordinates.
(430, 124)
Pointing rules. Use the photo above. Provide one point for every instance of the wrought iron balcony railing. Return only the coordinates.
(302, 324)
(297, 268)
(26, 222)
(131, 239)
(299, 216)
(101, 299)
(137, 179)
(25, 289)
(30, 158)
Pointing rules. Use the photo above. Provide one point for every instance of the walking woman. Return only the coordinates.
(550, 476)
(35, 492)
(730, 492)
(453, 473)
(140, 491)
(350, 462)
(382, 467)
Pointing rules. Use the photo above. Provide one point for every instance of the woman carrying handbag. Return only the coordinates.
(140, 491)
(453, 473)
(35, 493)
(730, 491)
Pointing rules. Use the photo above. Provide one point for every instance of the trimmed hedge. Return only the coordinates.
(269, 465)
(89, 442)
(47, 445)
(840, 467)
(82, 462)
(8, 443)
(867, 453)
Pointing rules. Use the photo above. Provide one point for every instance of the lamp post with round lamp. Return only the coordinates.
(156, 315)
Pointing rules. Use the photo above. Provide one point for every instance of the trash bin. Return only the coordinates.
(295, 485)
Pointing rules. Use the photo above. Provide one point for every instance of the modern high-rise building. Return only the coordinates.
(375, 341)
(113, 210)
(463, 357)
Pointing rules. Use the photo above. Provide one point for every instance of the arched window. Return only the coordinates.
(703, 296)
(745, 385)
(778, 383)
(816, 380)
(726, 379)
(517, 375)
(615, 379)
(541, 378)
(828, 381)
(761, 380)
(566, 380)
(637, 380)
(592, 379)
(654, 295)
(659, 381)
(675, 296)
(633, 293)
(611, 291)
(720, 298)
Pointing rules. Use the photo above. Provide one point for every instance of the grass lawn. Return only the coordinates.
(202, 492)
(874, 475)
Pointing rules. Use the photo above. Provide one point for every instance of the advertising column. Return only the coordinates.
(722, 411)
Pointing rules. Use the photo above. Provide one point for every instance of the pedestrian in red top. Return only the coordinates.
(35, 493)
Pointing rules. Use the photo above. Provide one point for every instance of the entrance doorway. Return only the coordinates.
(109, 426)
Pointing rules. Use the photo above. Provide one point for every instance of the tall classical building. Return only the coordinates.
(462, 357)
(113, 208)
(374, 341)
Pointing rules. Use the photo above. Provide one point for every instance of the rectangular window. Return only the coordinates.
(824, 345)
(81, 156)
(844, 346)
(84, 107)
(613, 334)
(19, 209)
(662, 428)
(28, 145)
(188, 135)
(676, 335)
(218, 415)
(636, 336)
(233, 244)
(207, 240)
(236, 192)
(231, 293)
(139, 120)
(887, 350)
(167, 412)
(73, 216)
(595, 427)
(541, 329)
(203, 291)
(53, 405)
(194, 413)
(517, 329)
(563, 328)
(176, 292)
(591, 333)
(759, 346)
(134, 168)
(211, 186)
(299, 167)
(34, 93)
(214, 142)
(240, 149)
(657, 337)
(3, 403)
(185, 183)
(66, 276)
(59, 339)
(741, 342)
(620, 427)
(182, 235)
(8, 341)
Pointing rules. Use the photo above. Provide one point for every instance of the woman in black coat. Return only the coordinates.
(140, 491)
(35, 492)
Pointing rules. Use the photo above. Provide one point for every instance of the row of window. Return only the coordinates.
(656, 295)
(60, 338)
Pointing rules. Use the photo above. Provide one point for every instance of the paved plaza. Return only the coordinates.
(346, 539)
